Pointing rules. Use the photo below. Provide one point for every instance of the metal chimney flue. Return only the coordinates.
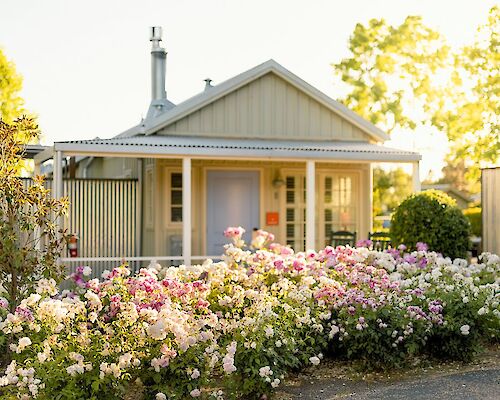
(158, 65)
(159, 102)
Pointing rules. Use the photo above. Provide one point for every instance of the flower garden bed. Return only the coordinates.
(235, 328)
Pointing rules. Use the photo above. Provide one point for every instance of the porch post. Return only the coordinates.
(57, 182)
(416, 177)
(37, 168)
(37, 232)
(370, 196)
(310, 205)
(186, 210)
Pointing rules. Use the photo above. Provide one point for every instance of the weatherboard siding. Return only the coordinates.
(267, 108)
(490, 188)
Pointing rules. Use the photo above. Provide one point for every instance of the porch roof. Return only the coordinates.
(171, 146)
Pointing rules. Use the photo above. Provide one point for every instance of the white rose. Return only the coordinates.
(315, 360)
(464, 329)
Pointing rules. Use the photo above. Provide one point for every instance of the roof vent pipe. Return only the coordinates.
(208, 84)
(159, 102)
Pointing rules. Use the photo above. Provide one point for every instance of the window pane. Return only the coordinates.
(290, 230)
(328, 196)
(328, 230)
(328, 183)
(328, 214)
(176, 214)
(290, 196)
(290, 214)
(290, 182)
(176, 180)
(176, 197)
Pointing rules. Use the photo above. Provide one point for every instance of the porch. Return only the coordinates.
(301, 190)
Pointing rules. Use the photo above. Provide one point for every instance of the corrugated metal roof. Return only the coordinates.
(31, 150)
(219, 147)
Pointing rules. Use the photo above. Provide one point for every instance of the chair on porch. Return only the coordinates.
(381, 240)
(342, 238)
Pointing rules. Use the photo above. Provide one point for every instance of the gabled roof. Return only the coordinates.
(151, 126)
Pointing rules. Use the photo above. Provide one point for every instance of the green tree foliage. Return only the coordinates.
(30, 242)
(403, 77)
(471, 116)
(390, 188)
(389, 72)
(432, 217)
(11, 103)
(455, 172)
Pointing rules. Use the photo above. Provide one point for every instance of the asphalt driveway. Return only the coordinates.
(479, 380)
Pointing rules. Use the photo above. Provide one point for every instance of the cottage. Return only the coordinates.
(263, 149)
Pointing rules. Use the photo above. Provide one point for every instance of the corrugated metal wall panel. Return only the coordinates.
(490, 194)
(102, 213)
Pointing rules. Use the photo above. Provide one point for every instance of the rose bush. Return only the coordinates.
(234, 328)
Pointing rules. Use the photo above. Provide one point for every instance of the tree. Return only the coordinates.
(403, 77)
(27, 219)
(390, 72)
(390, 188)
(455, 172)
(471, 118)
(11, 103)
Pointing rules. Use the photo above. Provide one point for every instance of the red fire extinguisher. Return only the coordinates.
(73, 245)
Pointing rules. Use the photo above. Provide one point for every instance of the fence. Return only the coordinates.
(105, 215)
(490, 197)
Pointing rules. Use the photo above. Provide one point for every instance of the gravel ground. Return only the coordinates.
(479, 380)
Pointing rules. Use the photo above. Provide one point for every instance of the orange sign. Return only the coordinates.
(272, 218)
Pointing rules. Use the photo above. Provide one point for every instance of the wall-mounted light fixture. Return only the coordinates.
(278, 181)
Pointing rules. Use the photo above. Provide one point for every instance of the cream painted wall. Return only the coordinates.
(267, 108)
(108, 167)
(157, 239)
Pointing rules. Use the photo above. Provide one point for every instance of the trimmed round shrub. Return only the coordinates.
(431, 217)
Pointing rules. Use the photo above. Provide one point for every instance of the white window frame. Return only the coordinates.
(356, 197)
(168, 196)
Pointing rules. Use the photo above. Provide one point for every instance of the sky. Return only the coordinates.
(86, 64)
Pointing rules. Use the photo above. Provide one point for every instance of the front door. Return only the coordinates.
(232, 200)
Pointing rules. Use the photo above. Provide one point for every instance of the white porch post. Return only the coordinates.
(370, 196)
(37, 168)
(310, 205)
(37, 232)
(186, 210)
(57, 183)
(416, 177)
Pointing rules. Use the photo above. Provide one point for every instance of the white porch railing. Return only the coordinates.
(99, 264)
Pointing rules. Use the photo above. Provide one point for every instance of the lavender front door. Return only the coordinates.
(232, 200)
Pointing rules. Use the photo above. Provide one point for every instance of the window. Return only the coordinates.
(149, 198)
(340, 205)
(295, 203)
(175, 197)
